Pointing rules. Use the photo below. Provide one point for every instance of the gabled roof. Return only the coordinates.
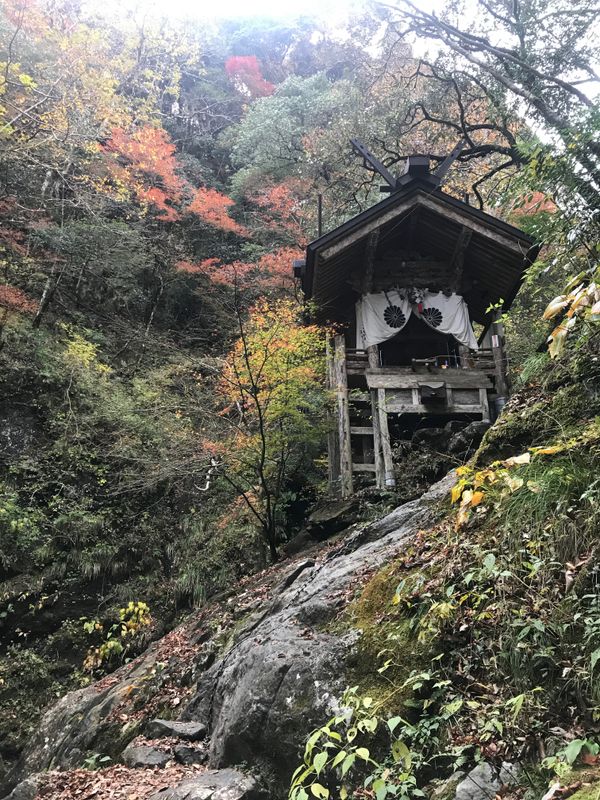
(495, 259)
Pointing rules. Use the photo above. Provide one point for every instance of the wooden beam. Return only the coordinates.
(454, 378)
(341, 385)
(333, 442)
(485, 405)
(442, 410)
(363, 467)
(497, 336)
(370, 250)
(458, 256)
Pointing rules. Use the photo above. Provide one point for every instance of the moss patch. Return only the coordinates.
(525, 423)
(386, 634)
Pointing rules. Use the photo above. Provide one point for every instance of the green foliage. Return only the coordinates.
(117, 639)
(336, 756)
(28, 682)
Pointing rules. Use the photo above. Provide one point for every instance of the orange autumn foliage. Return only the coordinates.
(213, 207)
(273, 271)
(146, 167)
(283, 202)
(13, 299)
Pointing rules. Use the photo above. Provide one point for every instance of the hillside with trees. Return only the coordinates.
(163, 404)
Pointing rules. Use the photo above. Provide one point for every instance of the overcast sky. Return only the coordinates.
(217, 9)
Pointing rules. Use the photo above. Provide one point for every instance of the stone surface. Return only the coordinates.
(188, 756)
(145, 756)
(332, 517)
(190, 731)
(284, 673)
(485, 781)
(465, 442)
(26, 790)
(436, 437)
(19, 432)
(223, 784)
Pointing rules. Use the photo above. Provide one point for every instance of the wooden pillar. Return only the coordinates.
(386, 448)
(464, 356)
(457, 260)
(499, 357)
(373, 354)
(333, 441)
(341, 387)
(485, 405)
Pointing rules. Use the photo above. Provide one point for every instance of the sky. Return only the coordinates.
(218, 9)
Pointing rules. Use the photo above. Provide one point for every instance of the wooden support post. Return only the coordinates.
(464, 356)
(341, 386)
(373, 354)
(333, 441)
(499, 358)
(485, 405)
(386, 448)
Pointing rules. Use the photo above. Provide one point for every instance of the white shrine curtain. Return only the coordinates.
(381, 316)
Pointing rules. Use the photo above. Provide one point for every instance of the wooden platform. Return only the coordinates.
(397, 391)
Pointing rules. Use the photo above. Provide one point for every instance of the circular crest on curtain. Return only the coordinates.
(394, 317)
(433, 316)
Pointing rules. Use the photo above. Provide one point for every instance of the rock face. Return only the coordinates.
(279, 675)
(189, 731)
(332, 517)
(464, 443)
(224, 784)
(143, 756)
(484, 782)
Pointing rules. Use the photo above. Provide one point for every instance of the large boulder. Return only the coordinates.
(332, 517)
(485, 781)
(145, 756)
(464, 443)
(223, 784)
(190, 731)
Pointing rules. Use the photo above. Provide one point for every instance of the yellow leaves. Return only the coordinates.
(555, 306)
(82, 353)
(515, 461)
(476, 498)
(470, 488)
(581, 302)
(548, 451)
(456, 492)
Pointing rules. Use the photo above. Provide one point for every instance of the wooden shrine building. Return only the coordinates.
(414, 286)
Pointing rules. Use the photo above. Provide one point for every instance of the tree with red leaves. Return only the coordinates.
(213, 207)
(145, 166)
(13, 301)
(271, 273)
(246, 76)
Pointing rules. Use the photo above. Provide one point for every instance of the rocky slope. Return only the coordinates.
(254, 672)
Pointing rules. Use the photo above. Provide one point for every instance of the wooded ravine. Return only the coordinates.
(243, 555)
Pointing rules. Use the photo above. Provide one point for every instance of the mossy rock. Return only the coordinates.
(559, 414)
(386, 634)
